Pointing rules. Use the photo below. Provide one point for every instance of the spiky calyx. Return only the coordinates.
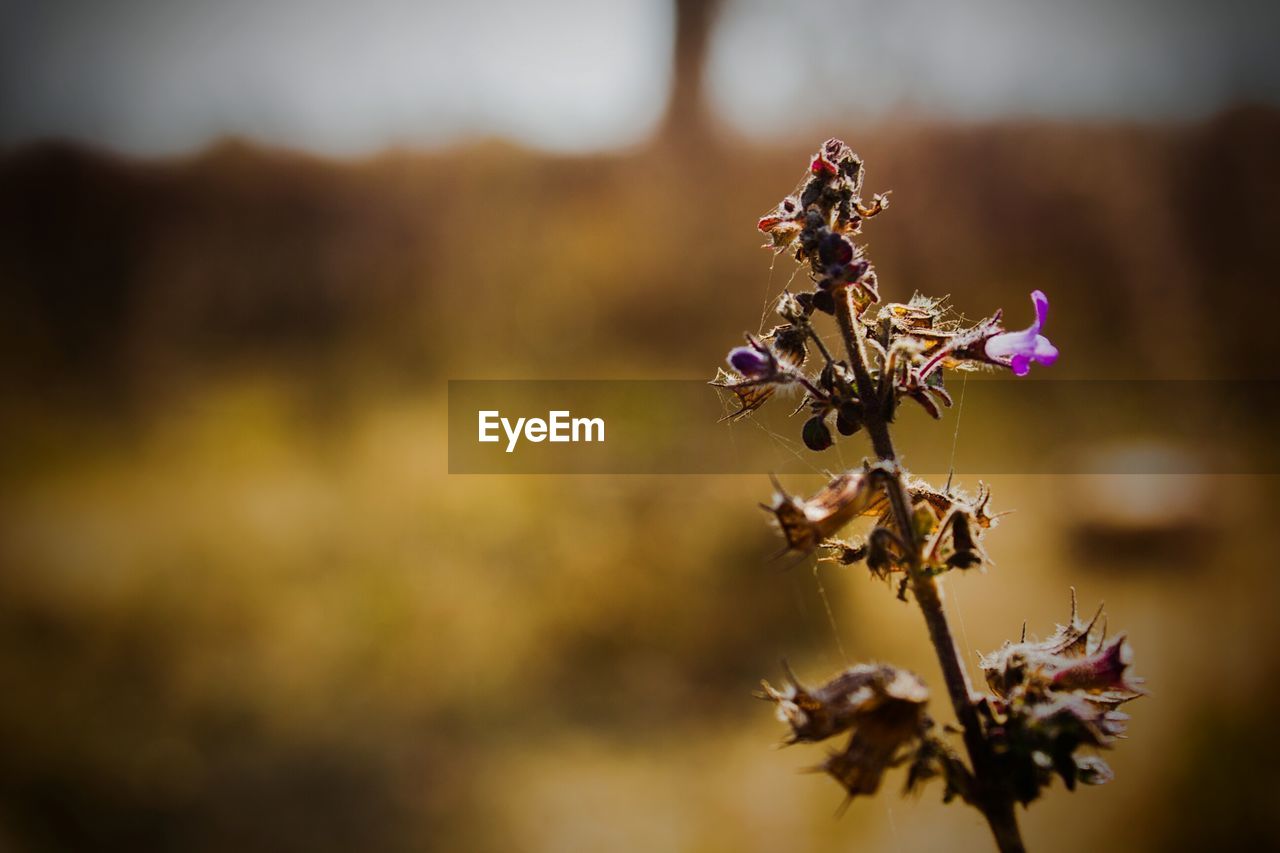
(1054, 697)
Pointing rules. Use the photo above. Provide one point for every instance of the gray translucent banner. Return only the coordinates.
(1006, 426)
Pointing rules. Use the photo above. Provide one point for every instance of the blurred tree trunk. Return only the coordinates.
(687, 119)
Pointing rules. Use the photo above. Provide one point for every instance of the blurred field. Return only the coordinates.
(244, 606)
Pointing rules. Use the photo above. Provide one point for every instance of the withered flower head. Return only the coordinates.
(1053, 697)
(807, 523)
(882, 706)
(848, 699)
(1076, 658)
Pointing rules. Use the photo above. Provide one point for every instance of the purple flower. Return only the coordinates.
(753, 362)
(1019, 349)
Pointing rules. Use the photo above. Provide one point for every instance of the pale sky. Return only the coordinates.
(166, 76)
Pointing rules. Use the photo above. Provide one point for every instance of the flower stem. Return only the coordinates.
(990, 797)
(817, 339)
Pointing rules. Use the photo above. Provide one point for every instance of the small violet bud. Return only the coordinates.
(1019, 349)
(752, 362)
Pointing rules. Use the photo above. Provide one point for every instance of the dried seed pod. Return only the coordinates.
(816, 434)
(849, 418)
(824, 301)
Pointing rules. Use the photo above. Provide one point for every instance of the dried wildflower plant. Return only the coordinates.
(1049, 703)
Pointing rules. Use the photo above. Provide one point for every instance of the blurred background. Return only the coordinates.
(244, 245)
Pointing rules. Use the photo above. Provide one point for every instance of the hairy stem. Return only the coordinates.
(817, 339)
(991, 798)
